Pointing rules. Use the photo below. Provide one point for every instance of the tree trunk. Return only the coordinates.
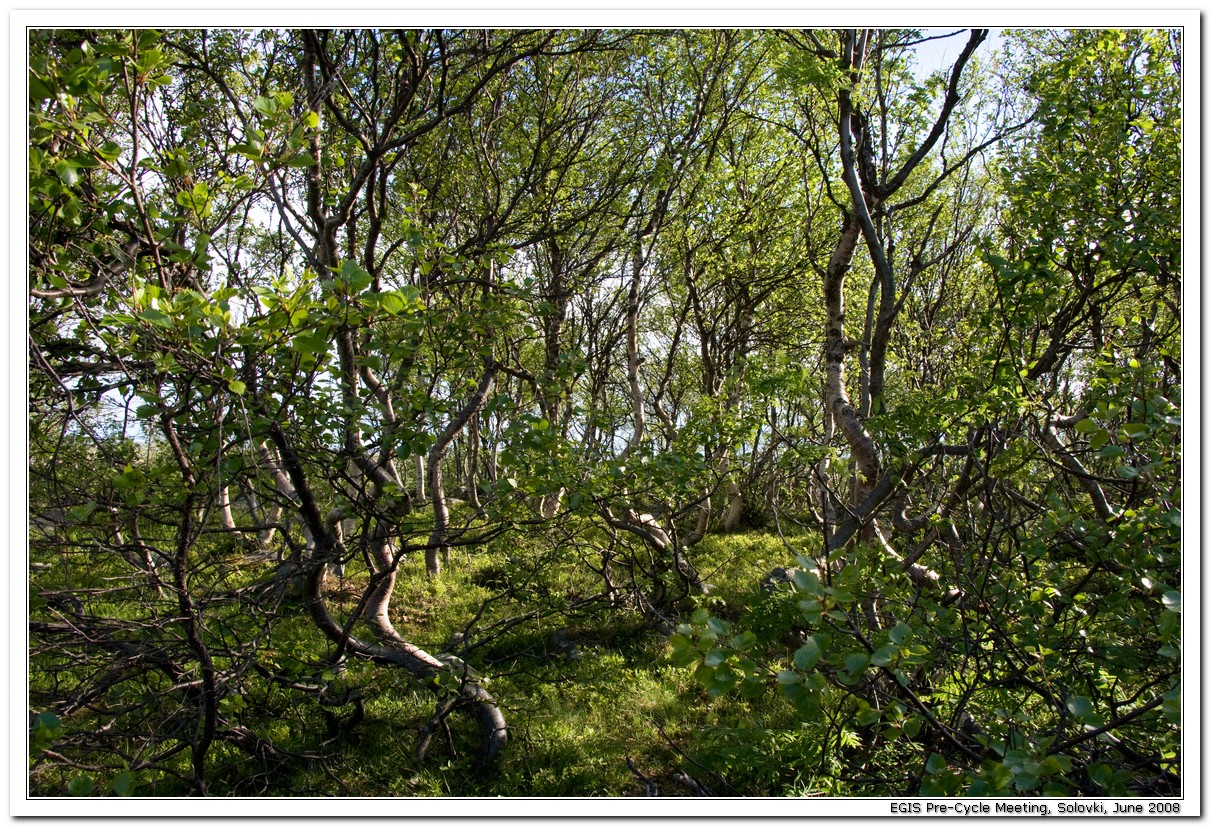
(702, 523)
(735, 502)
(637, 416)
(441, 515)
(225, 508)
(273, 464)
(418, 465)
(394, 649)
(836, 398)
(549, 505)
(473, 464)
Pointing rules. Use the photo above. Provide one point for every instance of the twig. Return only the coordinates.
(649, 786)
(692, 784)
(681, 752)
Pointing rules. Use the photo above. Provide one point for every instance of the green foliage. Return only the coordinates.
(580, 281)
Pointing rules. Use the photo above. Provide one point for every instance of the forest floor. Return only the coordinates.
(594, 704)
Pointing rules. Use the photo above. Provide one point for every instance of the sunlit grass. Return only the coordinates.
(584, 687)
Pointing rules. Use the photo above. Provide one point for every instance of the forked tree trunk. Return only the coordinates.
(836, 398)
(393, 648)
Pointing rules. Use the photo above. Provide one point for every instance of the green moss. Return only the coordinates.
(583, 686)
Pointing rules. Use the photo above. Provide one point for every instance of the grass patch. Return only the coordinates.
(583, 685)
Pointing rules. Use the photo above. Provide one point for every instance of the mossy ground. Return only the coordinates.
(584, 687)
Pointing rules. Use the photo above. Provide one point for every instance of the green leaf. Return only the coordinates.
(266, 106)
(843, 597)
(67, 172)
(313, 343)
(200, 244)
(700, 616)
(237, 387)
(1102, 775)
(807, 581)
(47, 727)
(1171, 707)
(81, 513)
(719, 626)
(884, 655)
(744, 640)
(1056, 764)
(147, 38)
(868, 716)
(38, 90)
(391, 302)
(1081, 707)
(998, 775)
(899, 633)
(157, 317)
(725, 677)
(123, 784)
(248, 150)
(300, 161)
(354, 276)
(1135, 430)
(110, 151)
(683, 651)
(1168, 624)
(856, 662)
(808, 654)
(81, 785)
(85, 162)
(1173, 601)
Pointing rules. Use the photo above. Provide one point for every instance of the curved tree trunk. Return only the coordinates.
(393, 648)
(702, 522)
(867, 195)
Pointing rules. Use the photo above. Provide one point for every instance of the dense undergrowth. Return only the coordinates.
(584, 687)
(766, 690)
